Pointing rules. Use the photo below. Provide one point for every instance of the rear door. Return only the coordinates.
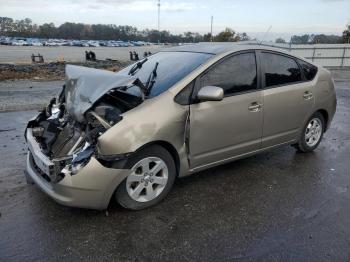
(288, 98)
(224, 129)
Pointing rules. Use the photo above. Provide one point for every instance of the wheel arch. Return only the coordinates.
(167, 146)
(325, 115)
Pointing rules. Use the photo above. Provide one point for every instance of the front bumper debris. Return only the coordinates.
(91, 187)
(43, 163)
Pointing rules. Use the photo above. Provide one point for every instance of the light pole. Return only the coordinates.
(211, 29)
(159, 21)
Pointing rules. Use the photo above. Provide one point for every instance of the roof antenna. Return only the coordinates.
(268, 30)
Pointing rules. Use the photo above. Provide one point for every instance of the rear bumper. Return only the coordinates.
(334, 109)
(92, 187)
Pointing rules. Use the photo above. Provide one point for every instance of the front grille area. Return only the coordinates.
(38, 170)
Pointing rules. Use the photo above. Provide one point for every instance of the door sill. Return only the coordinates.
(226, 160)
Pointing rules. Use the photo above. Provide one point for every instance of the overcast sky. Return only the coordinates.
(252, 16)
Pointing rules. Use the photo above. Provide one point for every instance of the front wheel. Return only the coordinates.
(312, 133)
(152, 175)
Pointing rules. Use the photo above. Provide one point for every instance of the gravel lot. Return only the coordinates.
(22, 54)
(276, 206)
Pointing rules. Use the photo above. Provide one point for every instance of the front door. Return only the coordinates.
(220, 130)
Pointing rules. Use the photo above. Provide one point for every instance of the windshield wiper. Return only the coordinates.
(151, 79)
(139, 84)
(137, 66)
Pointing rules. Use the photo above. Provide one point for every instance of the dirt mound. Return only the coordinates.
(51, 71)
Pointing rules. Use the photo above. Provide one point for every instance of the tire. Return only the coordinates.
(146, 187)
(307, 143)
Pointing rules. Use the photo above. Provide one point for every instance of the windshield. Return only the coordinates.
(172, 67)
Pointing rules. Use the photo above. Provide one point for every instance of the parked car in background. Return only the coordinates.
(128, 135)
(138, 43)
(84, 43)
(5, 41)
(19, 42)
(34, 42)
(63, 42)
(110, 44)
(102, 43)
(54, 42)
(76, 43)
(93, 43)
(121, 43)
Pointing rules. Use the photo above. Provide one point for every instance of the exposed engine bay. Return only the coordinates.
(68, 128)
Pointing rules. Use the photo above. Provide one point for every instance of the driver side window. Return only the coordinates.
(235, 74)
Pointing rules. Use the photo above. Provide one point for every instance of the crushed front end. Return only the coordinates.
(63, 158)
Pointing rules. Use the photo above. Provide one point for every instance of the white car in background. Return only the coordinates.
(54, 42)
(110, 44)
(36, 43)
(19, 43)
(93, 43)
(50, 43)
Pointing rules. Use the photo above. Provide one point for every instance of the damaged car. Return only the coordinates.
(127, 136)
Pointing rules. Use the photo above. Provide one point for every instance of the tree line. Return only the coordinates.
(80, 31)
(318, 38)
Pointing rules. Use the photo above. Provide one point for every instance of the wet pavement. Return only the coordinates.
(27, 94)
(276, 206)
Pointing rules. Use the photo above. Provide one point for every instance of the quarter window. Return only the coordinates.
(235, 74)
(280, 70)
(309, 70)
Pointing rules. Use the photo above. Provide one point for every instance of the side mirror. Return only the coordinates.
(210, 93)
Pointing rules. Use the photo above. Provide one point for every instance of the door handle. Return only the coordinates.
(307, 95)
(255, 107)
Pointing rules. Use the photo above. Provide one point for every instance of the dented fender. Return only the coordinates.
(155, 120)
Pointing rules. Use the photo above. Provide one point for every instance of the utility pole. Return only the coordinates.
(159, 21)
(211, 29)
(268, 30)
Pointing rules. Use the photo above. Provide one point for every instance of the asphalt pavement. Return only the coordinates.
(26, 94)
(275, 206)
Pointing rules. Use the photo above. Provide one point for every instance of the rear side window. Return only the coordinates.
(235, 74)
(280, 70)
(309, 70)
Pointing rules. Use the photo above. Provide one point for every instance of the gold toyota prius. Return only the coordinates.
(128, 135)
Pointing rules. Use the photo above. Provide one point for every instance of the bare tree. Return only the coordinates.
(346, 34)
(280, 41)
(6, 25)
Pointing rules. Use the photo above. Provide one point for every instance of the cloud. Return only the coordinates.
(146, 5)
(118, 5)
(22, 4)
(332, 1)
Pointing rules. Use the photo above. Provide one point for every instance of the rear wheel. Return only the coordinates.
(312, 133)
(152, 175)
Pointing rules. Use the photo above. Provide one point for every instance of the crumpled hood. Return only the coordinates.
(84, 86)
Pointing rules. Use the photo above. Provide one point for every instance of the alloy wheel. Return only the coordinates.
(313, 132)
(147, 179)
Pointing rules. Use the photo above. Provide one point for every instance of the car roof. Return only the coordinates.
(216, 48)
(220, 48)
